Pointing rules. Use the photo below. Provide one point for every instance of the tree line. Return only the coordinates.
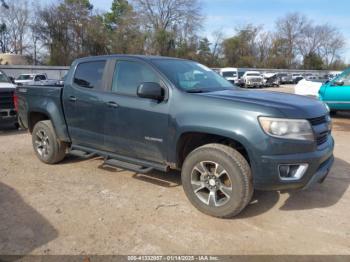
(58, 33)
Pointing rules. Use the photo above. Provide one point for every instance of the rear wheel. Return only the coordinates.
(48, 148)
(217, 180)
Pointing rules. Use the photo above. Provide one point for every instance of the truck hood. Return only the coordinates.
(7, 85)
(290, 105)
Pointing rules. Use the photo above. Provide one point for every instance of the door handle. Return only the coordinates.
(112, 104)
(72, 98)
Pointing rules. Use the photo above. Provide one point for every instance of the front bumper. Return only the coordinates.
(266, 171)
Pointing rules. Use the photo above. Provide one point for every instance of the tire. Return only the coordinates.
(234, 173)
(333, 112)
(47, 147)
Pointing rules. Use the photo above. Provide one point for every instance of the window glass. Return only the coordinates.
(229, 74)
(129, 75)
(191, 76)
(89, 74)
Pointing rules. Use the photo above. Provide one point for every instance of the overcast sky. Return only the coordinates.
(228, 14)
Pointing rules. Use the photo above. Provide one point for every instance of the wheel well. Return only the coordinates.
(35, 117)
(190, 141)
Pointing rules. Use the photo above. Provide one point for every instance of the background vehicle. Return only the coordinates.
(307, 88)
(8, 115)
(296, 78)
(143, 113)
(230, 74)
(252, 79)
(30, 79)
(336, 93)
(271, 79)
(285, 78)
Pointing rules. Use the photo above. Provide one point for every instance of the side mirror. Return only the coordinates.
(150, 90)
(338, 83)
(12, 79)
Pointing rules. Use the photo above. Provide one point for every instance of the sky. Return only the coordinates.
(226, 15)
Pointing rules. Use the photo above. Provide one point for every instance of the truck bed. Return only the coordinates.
(44, 101)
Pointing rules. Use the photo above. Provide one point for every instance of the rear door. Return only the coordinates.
(84, 107)
(338, 96)
(136, 127)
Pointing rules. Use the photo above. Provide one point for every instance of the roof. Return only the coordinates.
(141, 57)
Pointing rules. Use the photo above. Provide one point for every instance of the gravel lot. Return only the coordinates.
(79, 207)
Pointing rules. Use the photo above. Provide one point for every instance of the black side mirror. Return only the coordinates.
(12, 79)
(338, 83)
(150, 90)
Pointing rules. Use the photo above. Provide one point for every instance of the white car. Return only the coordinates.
(252, 79)
(230, 74)
(30, 79)
(307, 88)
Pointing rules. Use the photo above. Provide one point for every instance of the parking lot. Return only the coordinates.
(81, 207)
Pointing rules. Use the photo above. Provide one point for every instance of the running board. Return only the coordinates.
(81, 154)
(115, 160)
(128, 166)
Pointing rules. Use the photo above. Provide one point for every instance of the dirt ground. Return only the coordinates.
(79, 207)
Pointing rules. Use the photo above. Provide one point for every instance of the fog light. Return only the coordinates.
(292, 172)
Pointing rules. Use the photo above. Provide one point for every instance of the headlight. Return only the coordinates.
(298, 129)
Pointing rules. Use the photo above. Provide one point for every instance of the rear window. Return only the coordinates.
(89, 74)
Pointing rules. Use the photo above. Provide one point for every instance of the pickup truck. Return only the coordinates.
(8, 115)
(30, 79)
(146, 113)
(252, 79)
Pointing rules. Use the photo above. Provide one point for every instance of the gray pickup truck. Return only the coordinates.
(143, 113)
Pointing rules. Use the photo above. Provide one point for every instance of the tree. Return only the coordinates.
(3, 4)
(169, 23)
(70, 30)
(313, 61)
(289, 30)
(204, 53)
(123, 28)
(16, 19)
(240, 50)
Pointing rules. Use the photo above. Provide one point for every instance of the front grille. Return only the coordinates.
(255, 80)
(6, 100)
(321, 137)
(318, 120)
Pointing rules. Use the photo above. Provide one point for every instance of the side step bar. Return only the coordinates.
(114, 160)
(81, 154)
(128, 166)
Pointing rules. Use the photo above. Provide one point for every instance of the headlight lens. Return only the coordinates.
(298, 129)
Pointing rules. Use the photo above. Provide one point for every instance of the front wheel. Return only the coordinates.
(217, 180)
(48, 148)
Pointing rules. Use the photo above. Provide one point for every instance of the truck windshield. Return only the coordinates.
(191, 76)
(229, 74)
(25, 77)
(253, 74)
(3, 78)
